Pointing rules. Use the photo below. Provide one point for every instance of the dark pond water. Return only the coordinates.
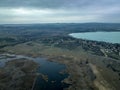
(50, 69)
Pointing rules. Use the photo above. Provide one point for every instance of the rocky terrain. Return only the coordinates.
(18, 75)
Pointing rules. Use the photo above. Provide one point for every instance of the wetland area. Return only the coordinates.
(47, 57)
(49, 74)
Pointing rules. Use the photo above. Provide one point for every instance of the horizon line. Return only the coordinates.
(61, 23)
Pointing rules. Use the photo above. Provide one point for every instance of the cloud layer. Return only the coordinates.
(52, 11)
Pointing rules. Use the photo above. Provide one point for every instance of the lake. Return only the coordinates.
(111, 37)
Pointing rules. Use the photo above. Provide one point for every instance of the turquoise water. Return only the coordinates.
(111, 37)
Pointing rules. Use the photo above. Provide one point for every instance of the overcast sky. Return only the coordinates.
(59, 11)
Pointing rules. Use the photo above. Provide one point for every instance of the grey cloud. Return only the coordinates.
(60, 10)
(32, 3)
(47, 3)
(60, 4)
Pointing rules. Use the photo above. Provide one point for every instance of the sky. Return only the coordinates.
(59, 11)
